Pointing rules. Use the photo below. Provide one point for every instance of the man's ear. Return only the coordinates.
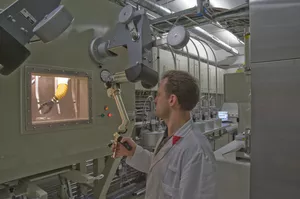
(172, 100)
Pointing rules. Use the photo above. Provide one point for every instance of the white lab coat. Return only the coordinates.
(185, 170)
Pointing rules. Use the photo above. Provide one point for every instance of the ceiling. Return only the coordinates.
(235, 26)
(177, 5)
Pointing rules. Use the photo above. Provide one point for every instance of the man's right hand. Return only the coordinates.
(121, 151)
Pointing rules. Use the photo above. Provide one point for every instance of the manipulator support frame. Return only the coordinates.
(134, 33)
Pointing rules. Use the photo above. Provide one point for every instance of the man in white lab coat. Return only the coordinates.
(183, 165)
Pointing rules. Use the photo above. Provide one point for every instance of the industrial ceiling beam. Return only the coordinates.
(162, 11)
(240, 11)
(174, 15)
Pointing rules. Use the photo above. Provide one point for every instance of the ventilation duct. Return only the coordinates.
(162, 11)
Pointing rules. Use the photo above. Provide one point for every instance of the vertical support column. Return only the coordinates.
(98, 166)
(158, 64)
(247, 48)
(275, 68)
(82, 190)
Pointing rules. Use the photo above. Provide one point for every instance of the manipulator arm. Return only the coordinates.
(21, 21)
(133, 33)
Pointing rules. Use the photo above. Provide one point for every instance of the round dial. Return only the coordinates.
(105, 76)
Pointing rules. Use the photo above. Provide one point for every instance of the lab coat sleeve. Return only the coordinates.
(198, 179)
(141, 160)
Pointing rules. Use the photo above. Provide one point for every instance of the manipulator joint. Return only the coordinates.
(133, 33)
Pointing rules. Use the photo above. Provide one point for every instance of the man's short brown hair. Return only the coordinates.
(184, 86)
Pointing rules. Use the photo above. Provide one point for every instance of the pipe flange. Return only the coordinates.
(99, 50)
(126, 14)
(178, 37)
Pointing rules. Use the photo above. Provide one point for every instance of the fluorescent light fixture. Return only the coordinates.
(235, 50)
(189, 3)
(166, 9)
(230, 34)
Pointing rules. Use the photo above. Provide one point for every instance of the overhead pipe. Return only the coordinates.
(199, 64)
(211, 38)
(188, 58)
(163, 11)
(153, 7)
(194, 68)
(191, 55)
(215, 57)
(168, 48)
(158, 63)
(239, 11)
(208, 82)
(208, 77)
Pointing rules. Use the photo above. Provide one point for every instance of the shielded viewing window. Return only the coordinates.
(57, 98)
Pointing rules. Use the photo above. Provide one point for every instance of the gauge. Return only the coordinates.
(105, 76)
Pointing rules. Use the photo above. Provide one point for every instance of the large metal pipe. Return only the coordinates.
(209, 37)
(215, 57)
(160, 10)
(199, 65)
(158, 63)
(239, 11)
(150, 5)
(168, 49)
(188, 58)
(191, 55)
(247, 47)
(208, 76)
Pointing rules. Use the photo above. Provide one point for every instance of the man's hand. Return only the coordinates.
(121, 151)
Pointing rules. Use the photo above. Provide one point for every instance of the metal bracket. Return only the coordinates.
(33, 192)
(201, 5)
(125, 17)
(78, 177)
(28, 189)
(133, 31)
(99, 50)
(160, 42)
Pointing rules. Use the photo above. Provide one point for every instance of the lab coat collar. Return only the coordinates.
(183, 131)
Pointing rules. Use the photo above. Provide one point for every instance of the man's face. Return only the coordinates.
(163, 101)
